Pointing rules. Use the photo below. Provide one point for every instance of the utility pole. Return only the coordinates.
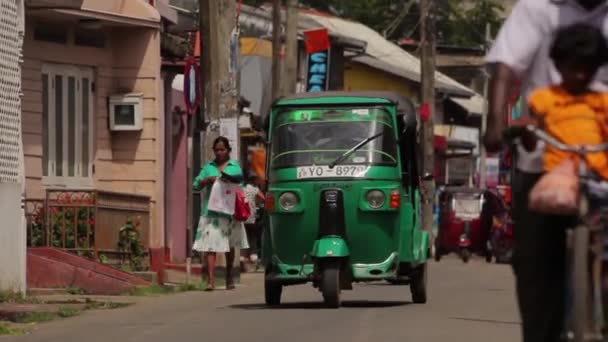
(484, 116)
(276, 49)
(427, 47)
(218, 65)
(194, 141)
(219, 70)
(291, 62)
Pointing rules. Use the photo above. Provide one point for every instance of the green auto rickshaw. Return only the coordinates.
(343, 196)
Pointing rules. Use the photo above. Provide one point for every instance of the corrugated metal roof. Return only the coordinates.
(259, 20)
(388, 55)
(410, 75)
(459, 60)
(379, 53)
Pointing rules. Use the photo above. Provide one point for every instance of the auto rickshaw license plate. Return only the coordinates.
(340, 171)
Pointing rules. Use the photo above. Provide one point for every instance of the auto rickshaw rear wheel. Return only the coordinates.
(418, 284)
(272, 289)
(465, 254)
(437, 255)
(330, 283)
(438, 251)
(489, 256)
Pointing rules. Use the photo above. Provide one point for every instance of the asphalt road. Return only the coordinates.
(472, 302)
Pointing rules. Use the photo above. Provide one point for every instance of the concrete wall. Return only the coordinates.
(128, 162)
(12, 239)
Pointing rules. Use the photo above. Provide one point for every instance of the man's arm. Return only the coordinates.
(511, 55)
(502, 80)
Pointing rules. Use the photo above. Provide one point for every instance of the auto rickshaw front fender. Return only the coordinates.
(330, 247)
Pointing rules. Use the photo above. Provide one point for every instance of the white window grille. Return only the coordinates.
(10, 91)
(68, 122)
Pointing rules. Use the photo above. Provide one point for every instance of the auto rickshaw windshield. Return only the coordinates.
(319, 136)
(467, 205)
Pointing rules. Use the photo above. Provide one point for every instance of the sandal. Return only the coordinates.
(210, 287)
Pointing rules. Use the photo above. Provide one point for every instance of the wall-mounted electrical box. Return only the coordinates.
(126, 112)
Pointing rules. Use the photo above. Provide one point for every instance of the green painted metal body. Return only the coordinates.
(330, 247)
(377, 240)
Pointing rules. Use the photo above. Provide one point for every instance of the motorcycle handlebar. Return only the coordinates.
(514, 132)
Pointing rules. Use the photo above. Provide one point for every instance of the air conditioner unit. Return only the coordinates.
(126, 112)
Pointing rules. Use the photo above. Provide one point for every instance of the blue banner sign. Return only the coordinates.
(318, 71)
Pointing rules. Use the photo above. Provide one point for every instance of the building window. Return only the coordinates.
(67, 112)
(53, 33)
(90, 37)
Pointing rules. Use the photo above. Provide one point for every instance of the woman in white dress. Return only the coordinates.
(218, 232)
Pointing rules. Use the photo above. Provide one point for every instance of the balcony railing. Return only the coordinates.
(86, 222)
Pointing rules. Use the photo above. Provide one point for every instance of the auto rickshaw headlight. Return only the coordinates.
(288, 201)
(375, 199)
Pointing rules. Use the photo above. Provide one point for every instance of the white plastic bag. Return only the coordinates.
(223, 197)
(557, 192)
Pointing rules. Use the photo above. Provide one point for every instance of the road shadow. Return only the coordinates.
(353, 304)
(383, 284)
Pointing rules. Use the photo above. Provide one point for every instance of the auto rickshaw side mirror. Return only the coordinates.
(410, 122)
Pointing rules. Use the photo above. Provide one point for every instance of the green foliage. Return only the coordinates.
(199, 286)
(17, 298)
(157, 290)
(129, 242)
(66, 311)
(5, 329)
(36, 317)
(152, 290)
(458, 22)
(71, 220)
(464, 24)
(93, 305)
(103, 258)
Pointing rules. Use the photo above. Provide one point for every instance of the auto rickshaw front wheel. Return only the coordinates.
(398, 281)
(272, 289)
(438, 252)
(330, 283)
(418, 284)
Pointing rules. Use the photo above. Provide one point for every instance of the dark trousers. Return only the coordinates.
(254, 233)
(539, 264)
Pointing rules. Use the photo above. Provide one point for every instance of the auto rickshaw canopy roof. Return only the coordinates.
(404, 104)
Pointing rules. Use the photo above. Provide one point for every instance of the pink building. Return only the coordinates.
(94, 118)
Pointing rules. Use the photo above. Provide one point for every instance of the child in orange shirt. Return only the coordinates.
(571, 111)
